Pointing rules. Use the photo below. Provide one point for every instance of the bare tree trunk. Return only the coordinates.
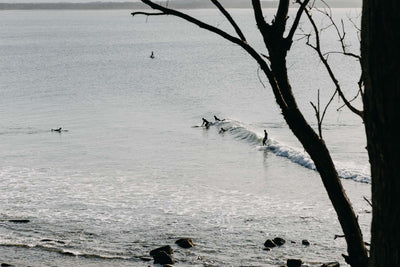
(380, 61)
(323, 162)
(316, 148)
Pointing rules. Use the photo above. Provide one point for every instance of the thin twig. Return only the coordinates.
(366, 199)
(324, 60)
(259, 78)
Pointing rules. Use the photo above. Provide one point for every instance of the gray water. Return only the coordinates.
(134, 172)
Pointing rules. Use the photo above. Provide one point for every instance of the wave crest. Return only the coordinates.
(240, 131)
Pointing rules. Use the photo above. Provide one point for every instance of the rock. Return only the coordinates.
(162, 258)
(184, 242)
(294, 262)
(166, 249)
(19, 221)
(331, 264)
(279, 241)
(145, 258)
(6, 265)
(168, 265)
(305, 242)
(267, 249)
(269, 244)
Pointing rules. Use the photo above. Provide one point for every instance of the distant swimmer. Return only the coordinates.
(265, 137)
(205, 123)
(152, 54)
(56, 130)
(217, 119)
(222, 130)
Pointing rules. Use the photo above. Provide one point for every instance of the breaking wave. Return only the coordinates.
(240, 131)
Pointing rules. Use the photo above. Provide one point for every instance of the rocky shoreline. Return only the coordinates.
(164, 255)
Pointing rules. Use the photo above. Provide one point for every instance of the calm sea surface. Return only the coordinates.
(133, 172)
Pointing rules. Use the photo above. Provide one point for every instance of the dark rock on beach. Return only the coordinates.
(19, 221)
(166, 249)
(184, 242)
(305, 242)
(279, 241)
(269, 244)
(331, 264)
(6, 264)
(294, 262)
(162, 257)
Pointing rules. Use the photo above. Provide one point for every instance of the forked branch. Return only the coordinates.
(317, 109)
(296, 21)
(317, 48)
(341, 33)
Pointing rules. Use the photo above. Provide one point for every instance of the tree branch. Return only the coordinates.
(340, 34)
(327, 105)
(328, 68)
(368, 201)
(296, 21)
(230, 19)
(262, 25)
(281, 16)
(147, 13)
(168, 11)
(316, 109)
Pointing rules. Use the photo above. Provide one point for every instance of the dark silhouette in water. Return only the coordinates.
(265, 137)
(56, 130)
(152, 54)
(206, 123)
(217, 119)
(222, 130)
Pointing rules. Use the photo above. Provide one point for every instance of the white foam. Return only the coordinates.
(240, 131)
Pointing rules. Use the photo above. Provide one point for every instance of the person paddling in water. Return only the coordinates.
(56, 130)
(265, 137)
(217, 119)
(205, 123)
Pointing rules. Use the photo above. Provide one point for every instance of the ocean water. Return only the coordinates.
(134, 171)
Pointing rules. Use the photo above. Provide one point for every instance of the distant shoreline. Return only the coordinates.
(178, 4)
